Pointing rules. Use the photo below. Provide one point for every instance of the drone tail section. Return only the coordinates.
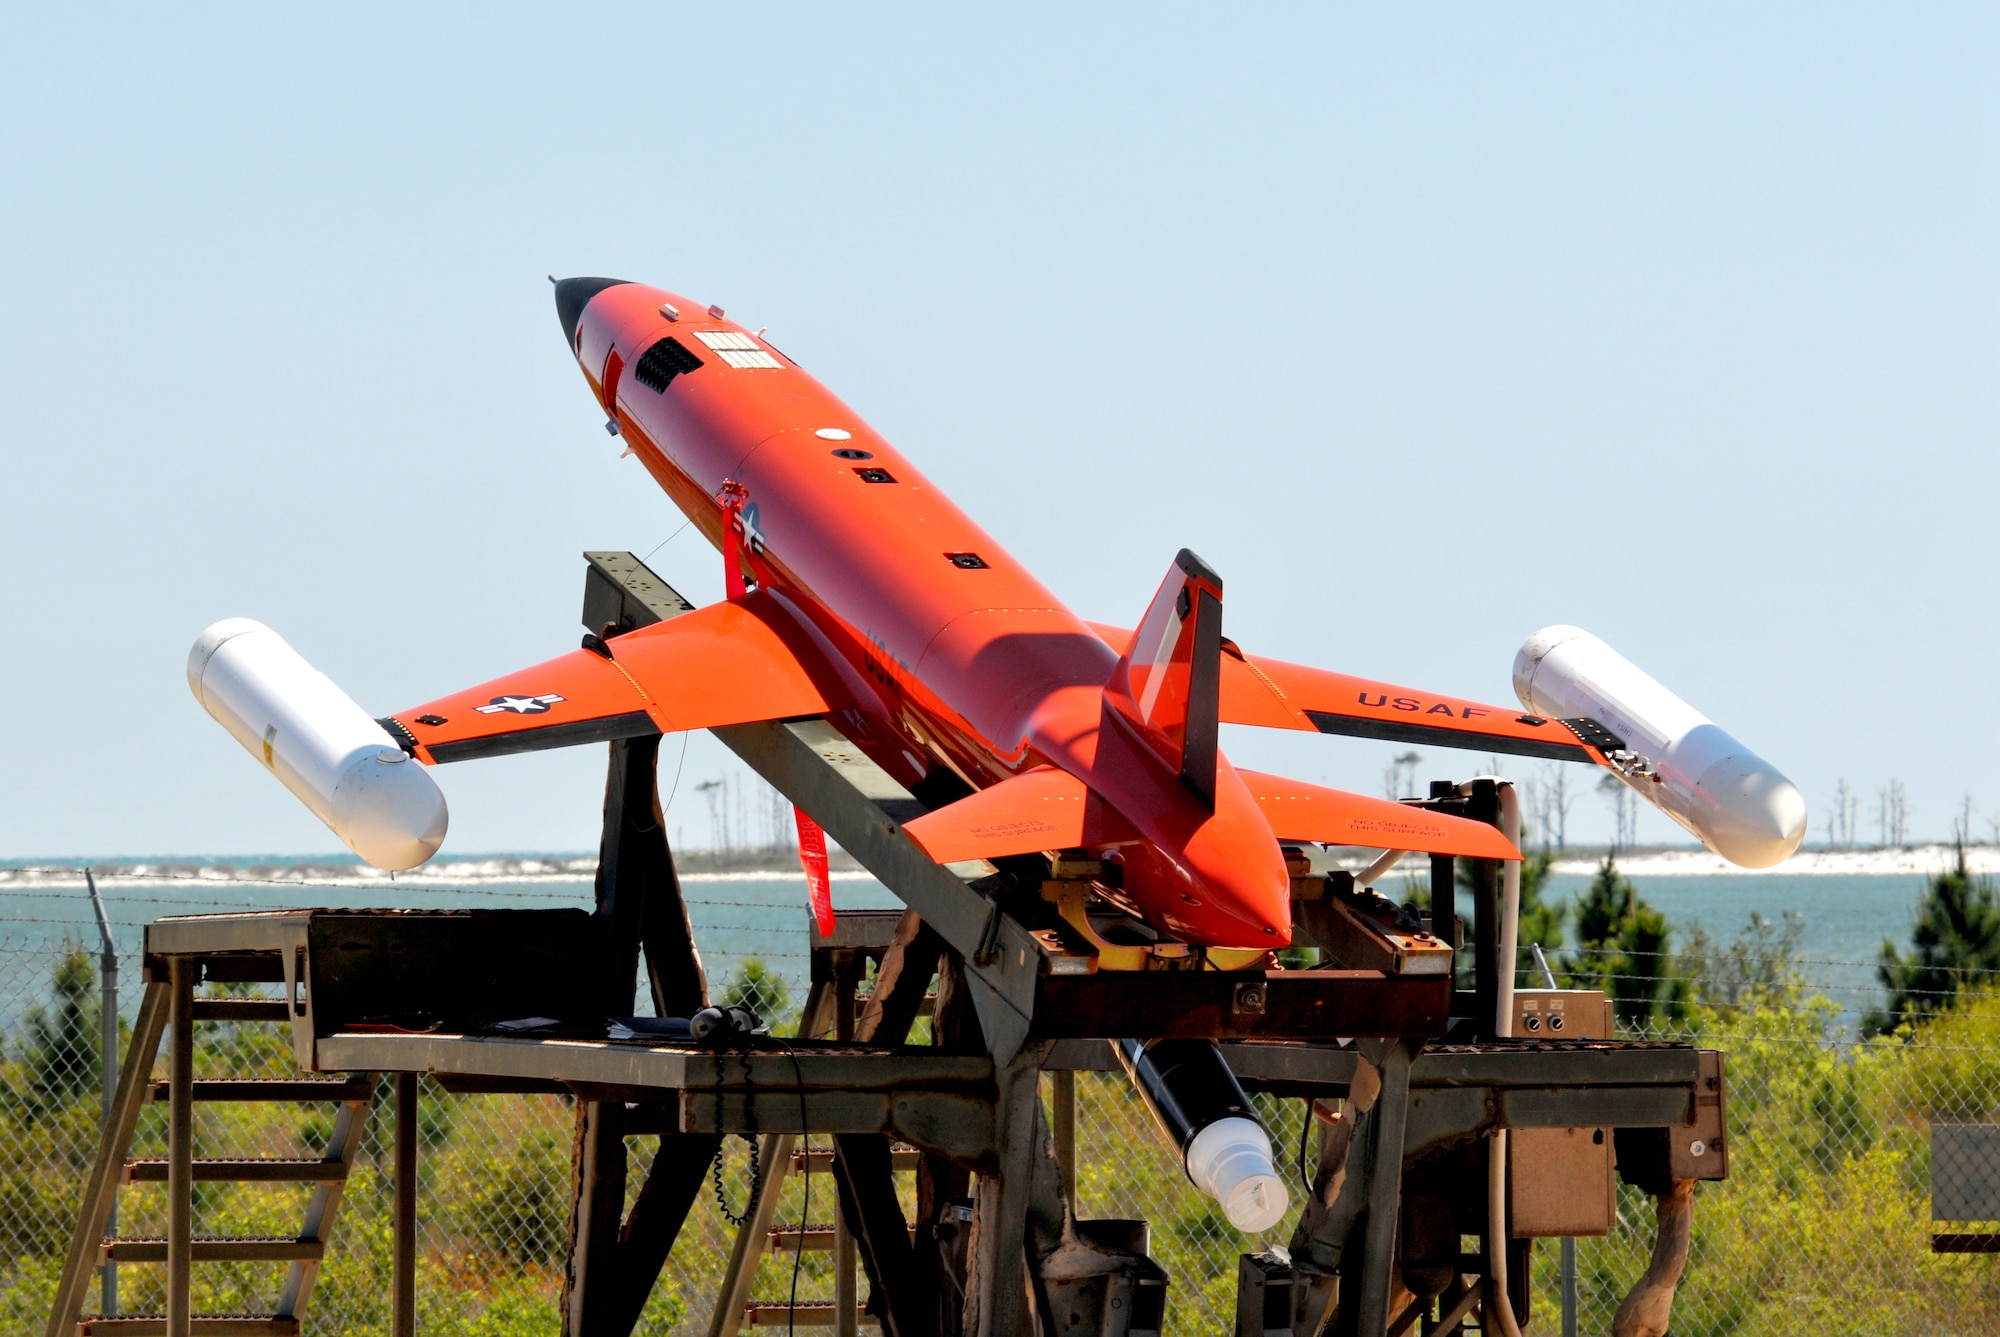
(1296, 810)
(1167, 681)
(1041, 809)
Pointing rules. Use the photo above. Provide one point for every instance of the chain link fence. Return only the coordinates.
(1824, 1226)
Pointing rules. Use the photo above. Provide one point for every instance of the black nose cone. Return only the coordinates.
(573, 295)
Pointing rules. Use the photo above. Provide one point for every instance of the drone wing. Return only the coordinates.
(729, 663)
(1275, 695)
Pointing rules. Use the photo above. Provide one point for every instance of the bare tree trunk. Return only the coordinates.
(1650, 1307)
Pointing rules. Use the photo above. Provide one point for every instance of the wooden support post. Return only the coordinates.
(998, 1303)
(612, 1263)
(848, 966)
(1385, 1188)
(1063, 1098)
(638, 892)
(901, 982)
(180, 1148)
(940, 1261)
(846, 1301)
(404, 1282)
(1330, 1240)
(680, 1168)
(612, 1267)
(598, 1188)
(871, 1219)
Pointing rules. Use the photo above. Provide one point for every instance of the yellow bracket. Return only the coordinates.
(1070, 897)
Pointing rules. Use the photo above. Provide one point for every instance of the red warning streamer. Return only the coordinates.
(812, 857)
(735, 542)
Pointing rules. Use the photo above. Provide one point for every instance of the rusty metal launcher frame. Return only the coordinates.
(1035, 969)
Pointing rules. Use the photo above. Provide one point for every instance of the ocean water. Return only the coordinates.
(735, 915)
(1845, 916)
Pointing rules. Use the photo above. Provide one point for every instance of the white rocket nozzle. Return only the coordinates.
(321, 745)
(1230, 1160)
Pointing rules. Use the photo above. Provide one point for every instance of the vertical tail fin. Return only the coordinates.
(1168, 684)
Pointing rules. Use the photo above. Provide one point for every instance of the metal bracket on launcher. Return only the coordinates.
(863, 808)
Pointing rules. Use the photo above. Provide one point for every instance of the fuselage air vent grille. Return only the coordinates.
(663, 361)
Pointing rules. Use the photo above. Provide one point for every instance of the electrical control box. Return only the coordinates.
(1560, 1180)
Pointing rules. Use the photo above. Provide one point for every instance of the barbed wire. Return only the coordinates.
(362, 880)
(1527, 954)
(527, 895)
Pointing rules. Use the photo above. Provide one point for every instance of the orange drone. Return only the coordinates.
(859, 592)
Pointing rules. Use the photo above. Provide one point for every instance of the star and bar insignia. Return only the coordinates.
(519, 705)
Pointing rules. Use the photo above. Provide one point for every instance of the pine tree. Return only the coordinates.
(1955, 944)
(1541, 922)
(1622, 949)
(758, 987)
(1762, 962)
(59, 1042)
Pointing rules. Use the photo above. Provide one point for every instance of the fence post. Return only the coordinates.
(107, 973)
(403, 1280)
(1568, 1287)
(1568, 1245)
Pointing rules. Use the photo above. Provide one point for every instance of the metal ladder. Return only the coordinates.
(831, 1005)
(781, 1241)
(169, 1010)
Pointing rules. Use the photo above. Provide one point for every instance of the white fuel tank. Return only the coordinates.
(321, 746)
(1735, 802)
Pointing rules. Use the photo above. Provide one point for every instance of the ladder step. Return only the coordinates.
(273, 1088)
(214, 1249)
(199, 1325)
(784, 1239)
(807, 1314)
(900, 1159)
(242, 1009)
(153, 1170)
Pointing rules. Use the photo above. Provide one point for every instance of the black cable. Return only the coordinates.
(721, 1139)
(676, 788)
(665, 541)
(1304, 1133)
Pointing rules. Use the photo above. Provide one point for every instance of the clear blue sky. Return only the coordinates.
(1426, 327)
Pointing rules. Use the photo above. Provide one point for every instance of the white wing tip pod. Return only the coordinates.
(1531, 654)
(1738, 804)
(211, 640)
(388, 810)
(1758, 817)
(322, 746)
